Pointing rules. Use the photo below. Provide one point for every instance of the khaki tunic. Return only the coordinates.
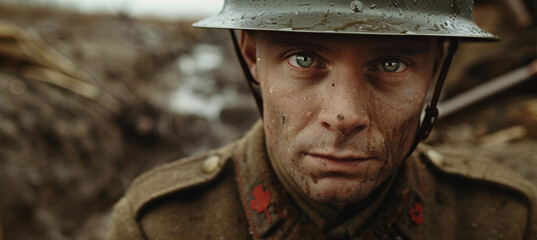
(232, 193)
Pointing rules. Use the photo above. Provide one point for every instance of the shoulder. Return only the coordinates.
(469, 191)
(177, 176)
(465, 165)
(191, 197)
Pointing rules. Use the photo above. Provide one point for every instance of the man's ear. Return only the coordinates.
(248, 50)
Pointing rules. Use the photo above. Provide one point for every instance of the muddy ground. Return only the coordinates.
(65, 159)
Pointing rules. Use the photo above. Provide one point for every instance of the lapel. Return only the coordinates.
(260, 192)
(270, 212)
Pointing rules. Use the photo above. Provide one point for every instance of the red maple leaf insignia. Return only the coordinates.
(416, 213)
(261, 201)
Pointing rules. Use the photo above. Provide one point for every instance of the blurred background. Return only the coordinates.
(93, 93)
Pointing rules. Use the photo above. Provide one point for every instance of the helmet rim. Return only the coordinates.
(371, 17)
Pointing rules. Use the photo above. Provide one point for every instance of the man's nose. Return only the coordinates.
(345, 108)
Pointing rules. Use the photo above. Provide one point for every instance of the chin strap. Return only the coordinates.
(249, 78)
(431, 111)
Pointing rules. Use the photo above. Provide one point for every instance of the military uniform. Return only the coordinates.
(233, 193)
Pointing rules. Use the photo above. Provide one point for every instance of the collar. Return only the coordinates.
(262, 196)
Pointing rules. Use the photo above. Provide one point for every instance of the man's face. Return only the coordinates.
(340, 111)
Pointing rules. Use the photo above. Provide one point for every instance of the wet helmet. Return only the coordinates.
(446, 18)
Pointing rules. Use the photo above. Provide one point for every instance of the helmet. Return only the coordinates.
(445, 18)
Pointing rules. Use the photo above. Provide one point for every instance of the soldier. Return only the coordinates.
(341, 86)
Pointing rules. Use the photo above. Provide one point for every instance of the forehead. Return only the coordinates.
(413, 45)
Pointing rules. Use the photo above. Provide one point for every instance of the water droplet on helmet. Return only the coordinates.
(445, 25)
(270, 21)
(357, 6)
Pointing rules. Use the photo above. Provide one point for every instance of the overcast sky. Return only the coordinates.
(171, 9)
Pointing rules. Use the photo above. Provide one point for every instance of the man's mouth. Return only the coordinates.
(340, 163)
(340, 157)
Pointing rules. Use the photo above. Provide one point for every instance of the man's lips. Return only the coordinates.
(340, 157)
(342, 163)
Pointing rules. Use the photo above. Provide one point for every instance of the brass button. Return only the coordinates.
(210, 164)
(435, 157)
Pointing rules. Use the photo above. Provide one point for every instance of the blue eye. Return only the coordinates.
(393, 65)
(301, 60)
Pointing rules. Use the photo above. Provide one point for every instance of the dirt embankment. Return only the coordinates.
(66, 158)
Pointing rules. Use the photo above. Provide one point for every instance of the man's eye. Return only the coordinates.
(393, 65)
(301, 60)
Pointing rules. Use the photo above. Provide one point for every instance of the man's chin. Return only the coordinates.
(339, 191)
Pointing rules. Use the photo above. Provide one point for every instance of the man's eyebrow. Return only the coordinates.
(397, 49)
(294, 42)
(400, 50)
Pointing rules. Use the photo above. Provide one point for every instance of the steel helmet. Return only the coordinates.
(445, 18)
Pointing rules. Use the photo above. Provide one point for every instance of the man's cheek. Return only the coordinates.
(275, 119)
(398, 136)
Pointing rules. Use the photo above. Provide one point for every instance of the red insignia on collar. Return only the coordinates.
(416, 213)
(261, 201)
